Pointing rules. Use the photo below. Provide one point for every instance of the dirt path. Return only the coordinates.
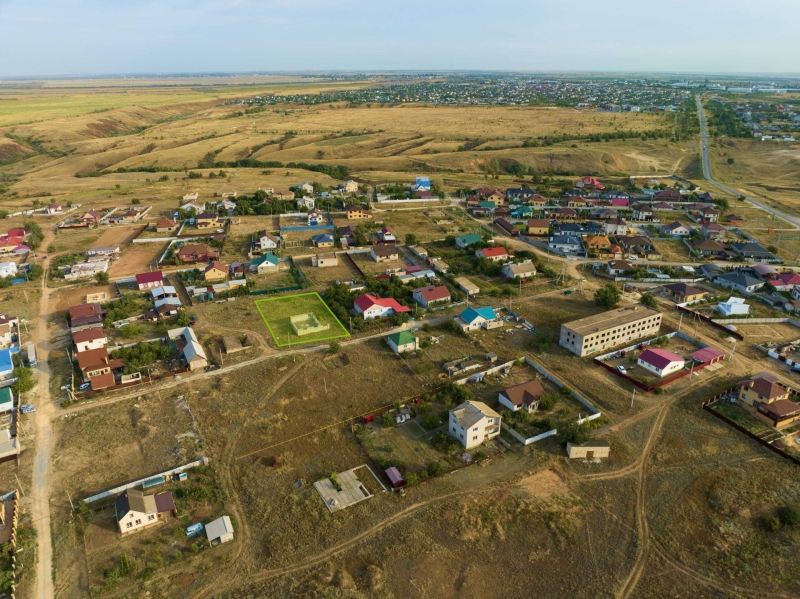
(40, 486)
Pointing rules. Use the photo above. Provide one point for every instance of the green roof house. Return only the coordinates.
(264, 263)
(6, 400)
(403, 341)
(468, 240)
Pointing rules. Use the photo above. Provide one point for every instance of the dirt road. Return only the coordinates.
(43, 431)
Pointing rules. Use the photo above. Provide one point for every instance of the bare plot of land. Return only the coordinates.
(370, 267)
(673, 251)
(322, 278)
(773, 331)
(136, 258)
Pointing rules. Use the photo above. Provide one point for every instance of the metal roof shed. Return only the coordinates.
(220, 530)
(395, 477)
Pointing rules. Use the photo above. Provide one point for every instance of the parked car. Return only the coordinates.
(621, 368)
(27, 408)
(84, 386)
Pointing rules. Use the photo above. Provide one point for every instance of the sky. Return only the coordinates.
(100, 37)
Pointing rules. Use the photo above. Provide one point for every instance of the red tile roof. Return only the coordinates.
(366, 301)
(88, 335)
(103, 381)
(524, 393)
(84, 310)
(491, 252)
(707, 354)
(432, 293)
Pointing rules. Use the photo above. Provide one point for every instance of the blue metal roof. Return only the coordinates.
(6, 365)
(471, 314)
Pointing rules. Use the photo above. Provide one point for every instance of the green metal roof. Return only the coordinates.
(5, 395)
(402, 338)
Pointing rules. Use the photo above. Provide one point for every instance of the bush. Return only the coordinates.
(435, 468)
(101, 278)
(547, 402)
(658, 390)
(387, 420)
(574, 433)
(649, 300)
(771, 523)
(411, 479)
(335, 347)
(607, 296)
(789, 515)
(430, 421)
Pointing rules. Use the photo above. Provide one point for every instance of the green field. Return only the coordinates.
(277, 312)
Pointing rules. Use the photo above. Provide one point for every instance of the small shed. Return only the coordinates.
(708, 355)
(589, 451)
(395, 478)
(220, 530)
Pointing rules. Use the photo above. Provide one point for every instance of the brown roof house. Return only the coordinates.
(383, 252)
(524, 396)
(136, 511)
(539, 226)
(681, 292)
(215, 271)
(165, 225)
(431, 295)
(197, 252)
(763, 396)
(94, 362)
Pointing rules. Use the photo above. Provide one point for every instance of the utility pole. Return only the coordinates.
(633, 396)
(733, 351)
(680, 322)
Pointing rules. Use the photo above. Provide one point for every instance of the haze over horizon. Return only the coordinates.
(178, 36)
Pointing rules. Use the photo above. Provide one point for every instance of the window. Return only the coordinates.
(475, 430)
(151, 517)
(130, 524)
(138, 522)
(474, 438)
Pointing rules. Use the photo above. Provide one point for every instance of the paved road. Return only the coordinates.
(707, 173)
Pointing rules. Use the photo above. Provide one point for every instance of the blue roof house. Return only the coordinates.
(473, 319)
(6, 364)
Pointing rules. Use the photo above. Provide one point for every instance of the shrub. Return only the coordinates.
(387, 420)
(607, 296)
(789, 515)
(411, 479)
(547, 402)
(658, 390)
(430, 421)
(574, 433)
(435, 468)
(771, 523)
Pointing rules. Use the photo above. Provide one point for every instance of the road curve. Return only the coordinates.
(707, 172)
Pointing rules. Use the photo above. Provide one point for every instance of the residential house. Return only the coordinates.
(304, 186)
(323, 240)
(357, 213)
(473, 422)
(740, 282)
(667, 195)
(752, 251)
(192, 253)
(637, 245)
(710, 271)
(91, 217)
(660, 362)
(386, 235)
(709, 247)
(324, 260)
(95, 362)
(9, 330)
(264, 263)
(85, 316)
(537, 200)
(371, 306)
(566, 213)
(380, 253)
(404, 341)
(165, 225)
(564, 243)
(676, 229)
(54, 209)
(539, 227)
(207, 220)
(191, 197)
(226, 205)
(519, 270)
(708, 214)
(349, 186)
(306, 202)
(186, 343)
(599, 244)
(575, 230)
(236, 270)
(615, 226)
(89, 339)
(516, 194)
(6, 364)
(162, 292)
(642, 212)
(282, 194)
(663, 207)
(495, 254)
(193, 205)
(215, 271)
(733, 219)
(681, 293)
(787, 281)
(735, 306)
(315, 218)
(8, 269)
(524, 396)
(136, 511)
(473, 319)
(148, 280)
(102, 253)
(6, 401)
(431, 295)
(492, 195)
(264, 241)
(464, 241)
(619, 268)
(421, 184)
(764, 397)
(588, 182)
(705, 197)
(219, 531)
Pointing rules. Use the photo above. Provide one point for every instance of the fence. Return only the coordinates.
(757, 321)
(12, 497)
(276, 290)
(707, 407)
(483, 373)
(136, 483)
(353, 263)
(647, 388)
(710, 321)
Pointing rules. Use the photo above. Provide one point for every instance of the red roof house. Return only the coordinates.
(148, 280)
(660, 361)
(372, 306)
(425, 296)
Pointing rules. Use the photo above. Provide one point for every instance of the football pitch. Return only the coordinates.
(300, 318)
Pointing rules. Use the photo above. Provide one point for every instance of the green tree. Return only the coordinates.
(649, 300)
(574, 433)
(35, 272)
(411, 239)
(789, 515)
(101, 278)
(607, 296)
(335, 347)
